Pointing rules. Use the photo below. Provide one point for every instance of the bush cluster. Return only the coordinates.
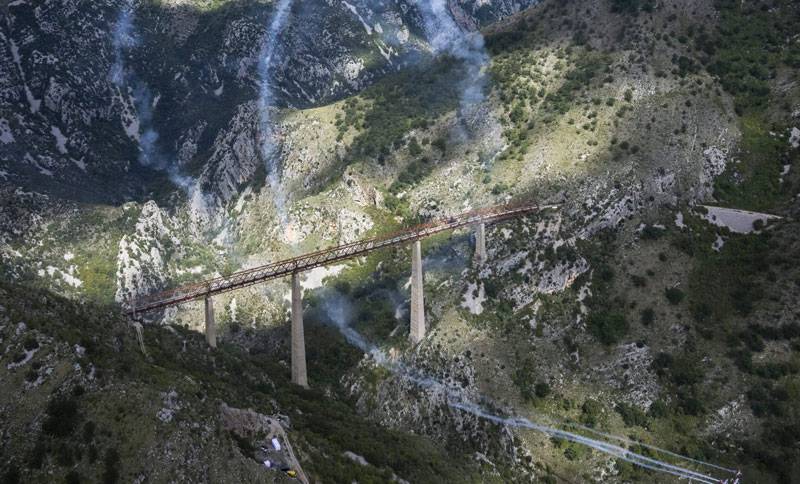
(608, 327)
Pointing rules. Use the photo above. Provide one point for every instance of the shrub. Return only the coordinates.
(658, 409)
(73, 477)
(342, 286)
(753, 341)
(542, 389)
(591, 412)
(686, 371)
(632, 7)
(396, 105)
(499, 188)
(690, 402)
(766, 399)
(744, 297)
(790, 330)
(440, 144)
(414, 149)
(30, 343)
(414, 173)
(62, 417)
(661, 363)
(11, 475)
(608, 327)
(674, 295)
(631, 415)
(700, 311)
(89, 431)
(691, 405)
(605, 273)
(523, 379)
(651, 232)
(244, 444)
(36, 456)
(648, 316)
(111, 467)
(64, 455)
(92, 453)
(491, 288)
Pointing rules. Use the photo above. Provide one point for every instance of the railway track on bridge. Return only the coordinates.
(324, 257)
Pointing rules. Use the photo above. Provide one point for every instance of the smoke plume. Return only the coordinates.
(447, 37)
(124, 39)
(266, 100)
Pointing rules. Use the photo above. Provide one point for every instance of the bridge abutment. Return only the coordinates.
(480, 244)
(299, 372)
(417, 332)
(211, 325)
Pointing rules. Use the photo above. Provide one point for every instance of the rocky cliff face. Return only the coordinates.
(56, 97)
(153, 94)
(197, 64)
(141, 262)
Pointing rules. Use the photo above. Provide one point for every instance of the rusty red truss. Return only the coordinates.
(324, 257)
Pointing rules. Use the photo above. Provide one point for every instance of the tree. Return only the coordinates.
(631, 6)
(608, 327)
(674, 295)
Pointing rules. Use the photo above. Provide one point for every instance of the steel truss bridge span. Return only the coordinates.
(324, 257)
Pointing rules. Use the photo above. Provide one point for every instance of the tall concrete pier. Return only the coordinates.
(417, 298)
(295, 265)
(299, 373)
(211, 325)
(480, 244)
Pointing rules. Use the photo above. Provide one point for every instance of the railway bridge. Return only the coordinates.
(293, 267)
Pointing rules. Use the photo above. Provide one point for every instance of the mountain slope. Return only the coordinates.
(82, 402)
(655, 303)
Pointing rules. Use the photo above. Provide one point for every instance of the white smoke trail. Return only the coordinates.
(124, 38)
(340, 312)
(269, 49)
(148, 136)
(446, 36)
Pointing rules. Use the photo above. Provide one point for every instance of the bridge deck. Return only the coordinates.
(324, 257)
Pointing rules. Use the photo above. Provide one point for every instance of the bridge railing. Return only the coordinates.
(323, 257)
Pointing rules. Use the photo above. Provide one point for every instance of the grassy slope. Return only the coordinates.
(580, 110)
(562, 83)
(732, 296)
(120, 404)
